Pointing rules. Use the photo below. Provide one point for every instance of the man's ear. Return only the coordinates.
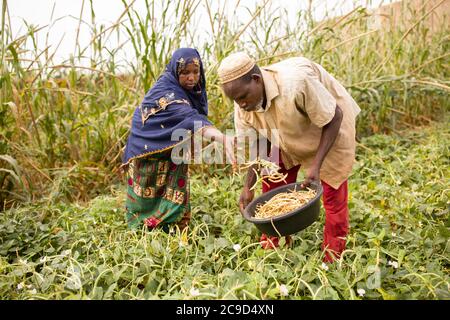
(256, 77)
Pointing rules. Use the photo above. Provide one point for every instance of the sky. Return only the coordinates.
(61, 16)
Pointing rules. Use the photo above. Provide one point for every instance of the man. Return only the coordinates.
(314, 117)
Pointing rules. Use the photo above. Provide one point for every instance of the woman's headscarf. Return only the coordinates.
(167, 106)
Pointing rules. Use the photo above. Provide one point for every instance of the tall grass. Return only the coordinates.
(64, 124)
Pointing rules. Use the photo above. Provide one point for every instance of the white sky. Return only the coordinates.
(64, 19)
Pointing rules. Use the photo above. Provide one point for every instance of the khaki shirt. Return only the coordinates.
(301, 99)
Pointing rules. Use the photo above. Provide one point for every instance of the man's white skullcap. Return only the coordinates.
(235, 66)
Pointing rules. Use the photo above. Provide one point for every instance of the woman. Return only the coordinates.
(158, 189)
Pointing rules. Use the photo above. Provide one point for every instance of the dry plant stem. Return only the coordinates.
(272, 168)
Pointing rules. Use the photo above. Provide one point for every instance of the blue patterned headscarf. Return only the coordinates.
(167, 106)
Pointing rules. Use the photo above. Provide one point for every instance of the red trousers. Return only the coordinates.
(336, 212)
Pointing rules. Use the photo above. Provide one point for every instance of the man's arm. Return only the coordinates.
(327, 139)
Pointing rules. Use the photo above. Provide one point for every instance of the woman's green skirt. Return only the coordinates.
(158, 192)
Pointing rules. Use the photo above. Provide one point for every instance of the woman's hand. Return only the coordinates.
(228, 142)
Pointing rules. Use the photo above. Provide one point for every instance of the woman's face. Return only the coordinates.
(189, 76)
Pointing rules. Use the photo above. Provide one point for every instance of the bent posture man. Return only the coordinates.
(314, 117)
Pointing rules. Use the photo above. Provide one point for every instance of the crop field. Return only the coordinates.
(63, 127)
(397, 248)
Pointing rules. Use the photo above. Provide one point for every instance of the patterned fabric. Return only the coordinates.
(167, 107)
(158, 193)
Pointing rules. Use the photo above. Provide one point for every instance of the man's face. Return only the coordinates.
(248, 96)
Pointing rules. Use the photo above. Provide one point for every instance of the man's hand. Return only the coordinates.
(245, 198)
(313, 175)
